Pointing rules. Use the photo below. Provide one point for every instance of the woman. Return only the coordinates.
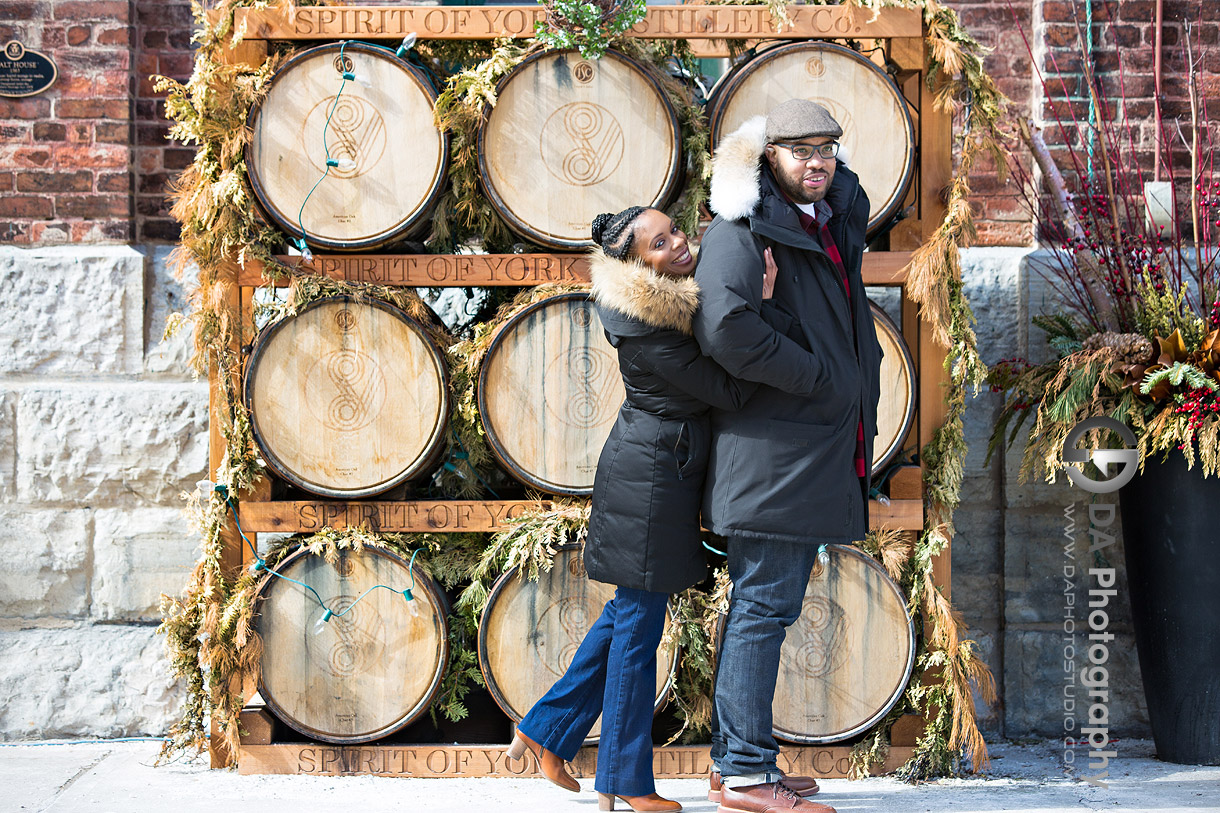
(644, 525)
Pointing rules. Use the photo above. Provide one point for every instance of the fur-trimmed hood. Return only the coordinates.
(636, 291)
(737, 170)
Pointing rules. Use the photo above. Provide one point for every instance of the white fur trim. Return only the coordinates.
(736, 170)
(844, 156)
(630, 287)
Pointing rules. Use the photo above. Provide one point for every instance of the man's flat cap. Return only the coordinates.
(800, 118)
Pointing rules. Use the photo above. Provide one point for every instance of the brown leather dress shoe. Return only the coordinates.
(551, 764)
(772, 797)
(804, 786)
(652, 803)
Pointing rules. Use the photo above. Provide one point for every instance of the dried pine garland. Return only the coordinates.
(212, 202)
(218, 651)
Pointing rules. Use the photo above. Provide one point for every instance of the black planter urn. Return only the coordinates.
(1171, 534)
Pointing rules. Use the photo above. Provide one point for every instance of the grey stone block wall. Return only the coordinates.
(101, 428)
(1008, 554)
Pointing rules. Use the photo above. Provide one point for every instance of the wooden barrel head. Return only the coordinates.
(530, 632)
(570, 138)
(347, 399)
(360, 675)
(549, 391)
(878, 135)
(896, 409)
(391, 156)
(847, 659)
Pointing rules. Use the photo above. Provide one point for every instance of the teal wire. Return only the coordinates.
(1088, 54)
(325, 146)
(254, 550)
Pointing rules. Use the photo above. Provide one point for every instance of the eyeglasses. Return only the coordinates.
(803, 152)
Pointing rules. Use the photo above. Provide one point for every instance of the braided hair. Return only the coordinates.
(614, 233)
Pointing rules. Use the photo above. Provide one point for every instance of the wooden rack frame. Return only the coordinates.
(901, 34)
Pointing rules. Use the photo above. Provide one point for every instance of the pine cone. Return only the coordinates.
(1132, 348)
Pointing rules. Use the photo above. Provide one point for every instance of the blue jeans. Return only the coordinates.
(614, 674)
(769, 580)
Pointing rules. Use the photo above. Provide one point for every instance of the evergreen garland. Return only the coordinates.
(208, 635)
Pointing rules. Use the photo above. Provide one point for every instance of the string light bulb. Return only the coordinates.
(259, 565)
(412, 607)
(408, 42)
(303, 247)
(320, 625)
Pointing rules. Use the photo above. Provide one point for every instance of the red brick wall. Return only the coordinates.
(64, 162)
(161, 38)
(86, 161)
(1001, 216)
(1124, 35)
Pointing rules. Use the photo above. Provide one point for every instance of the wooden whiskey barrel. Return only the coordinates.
(549, 391)
(392, 158)
(878, 135)
(347, 398)
(360, 675)
(847, 659)
(896, 409)
(570, 138)
(530, 631)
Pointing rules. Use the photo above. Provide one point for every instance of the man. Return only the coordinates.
(788, 472)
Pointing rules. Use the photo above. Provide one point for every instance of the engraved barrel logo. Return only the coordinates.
(348, 644)
(568, 619)
(356, 133)
(345, 389)
(583, 72)
(588, 373)
(822, 633)
(581, 143)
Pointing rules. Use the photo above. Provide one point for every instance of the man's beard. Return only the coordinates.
(795, 189)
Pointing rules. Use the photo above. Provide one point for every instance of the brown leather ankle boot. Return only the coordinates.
(652, 803)
(550, 763)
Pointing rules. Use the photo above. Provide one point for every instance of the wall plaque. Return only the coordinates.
(24, 72)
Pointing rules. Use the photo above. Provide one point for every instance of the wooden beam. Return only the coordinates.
(458, 761)
(232, 554)
(885, 267)
(900, 515)
(439, 270)
(250, 53)
(458, 516)
(936, 173)
(491, 22)
(907, 484)
(933, 381)
(462, 270)
(439, 516)
(908, 52)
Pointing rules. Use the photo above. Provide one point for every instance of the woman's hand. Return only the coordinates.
(769, 274)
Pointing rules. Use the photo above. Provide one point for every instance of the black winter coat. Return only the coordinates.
(783, 466)
(644, 527)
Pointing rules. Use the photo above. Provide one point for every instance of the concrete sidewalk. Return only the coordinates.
(120, 777)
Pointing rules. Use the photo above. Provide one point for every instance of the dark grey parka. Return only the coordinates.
(783, 466)
(644, 525)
